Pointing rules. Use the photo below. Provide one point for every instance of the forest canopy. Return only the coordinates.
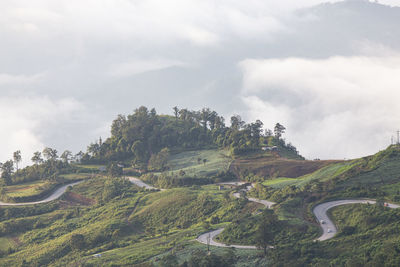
(140, 136)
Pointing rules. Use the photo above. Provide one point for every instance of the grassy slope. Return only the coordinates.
(271, 167)
(26, 189)
(217, 160)
(136, 227)
(142, 226)
(39, 188)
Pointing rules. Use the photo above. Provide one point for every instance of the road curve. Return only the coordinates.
(141, 184)
(211, 235)
(56, 194)
(328, 227)
(208, 238)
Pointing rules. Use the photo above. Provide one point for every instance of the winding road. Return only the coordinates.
(208, 238)
(328, 227)
(320, 211)
(55, 195)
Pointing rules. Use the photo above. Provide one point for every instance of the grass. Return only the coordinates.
(217, 160)
(6, 243)
(246, 257)
(89, 167)
(280, 182)
(76, 176)
(323, 174)
(27, 189)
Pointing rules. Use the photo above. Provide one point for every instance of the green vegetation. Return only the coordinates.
(193, 168)
(138, 137)
(108, 221)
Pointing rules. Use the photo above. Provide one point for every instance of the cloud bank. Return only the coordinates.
(108, 57)
(340, 107)
(26, 122)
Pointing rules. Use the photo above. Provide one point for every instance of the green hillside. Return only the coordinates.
(108, 221)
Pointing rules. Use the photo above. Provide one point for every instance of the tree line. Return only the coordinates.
(138, 137)
(46, 164)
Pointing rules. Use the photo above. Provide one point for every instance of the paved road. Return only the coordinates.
(328, 228)
(58, 193)
(211, 235)
(142, 184)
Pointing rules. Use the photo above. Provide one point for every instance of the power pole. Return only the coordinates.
(398, 137)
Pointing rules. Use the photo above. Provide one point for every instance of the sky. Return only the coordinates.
(329, 71)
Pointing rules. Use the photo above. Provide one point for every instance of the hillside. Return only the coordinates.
(106, 220)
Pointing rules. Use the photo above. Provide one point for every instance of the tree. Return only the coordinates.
(176, 112)
(37, 158)
(236, 122)
(204, 117)
(266, 231)
(279, 130)
(139, 151)
(204, 161)
(66, 156)
(17, 157)
(159, 160)
(7, 170)
(50, 154)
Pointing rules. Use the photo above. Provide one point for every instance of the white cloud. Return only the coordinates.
(336, 107)
(140, 66)
(7, 79)
(24, 120)
(203, 23)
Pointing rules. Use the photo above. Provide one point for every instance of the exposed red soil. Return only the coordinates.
(16, 240)
(74, 199)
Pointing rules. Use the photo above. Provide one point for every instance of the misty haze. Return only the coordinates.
(199, 133)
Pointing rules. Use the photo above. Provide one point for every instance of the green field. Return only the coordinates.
(280, 182)
(6, 243)
(323, 174)
(76, 176)
(27, 189)
(216, 160)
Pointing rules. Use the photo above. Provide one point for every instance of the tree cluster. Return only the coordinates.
(143, 137)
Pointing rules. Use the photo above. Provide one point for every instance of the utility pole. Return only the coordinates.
(398, 137)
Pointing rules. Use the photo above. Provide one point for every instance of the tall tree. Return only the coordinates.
(7, 169)
(176, 112)
(17, 157)
(267, 229)
(66, 156)
(279, 130)
(205, 117)
(37, 158)
(50, 153)
(236, 122)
